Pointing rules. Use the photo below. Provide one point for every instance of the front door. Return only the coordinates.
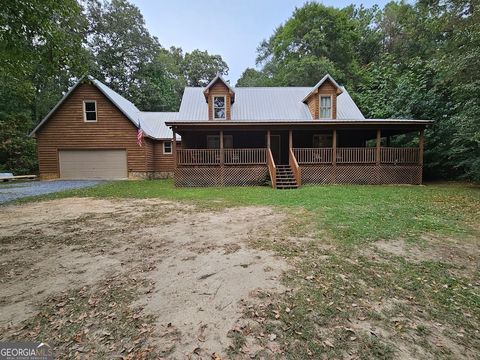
(276, 148)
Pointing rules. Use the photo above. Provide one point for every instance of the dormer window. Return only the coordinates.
(219, 96)
(90, 111)
(325, 107)
(322, 98)
(219, 107)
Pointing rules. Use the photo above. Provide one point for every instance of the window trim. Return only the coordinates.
(171, 148)
(319, 136)
(224, 138)
(224, 106)
(85, 110)
(320, 106)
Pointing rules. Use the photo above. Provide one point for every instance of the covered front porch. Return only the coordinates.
(286, 155)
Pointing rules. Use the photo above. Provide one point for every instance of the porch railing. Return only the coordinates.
(213, 156)
(245, 156)
(198, 157)
(398, 155)
(313, 155)
(303, 156)
(292, 161)
(356, 155)
(272, 169)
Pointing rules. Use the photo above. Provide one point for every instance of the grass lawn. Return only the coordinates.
(385, 271)
(349, 213)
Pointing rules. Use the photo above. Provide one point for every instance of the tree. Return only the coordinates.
(199, 67)
(46, 45)
(252, 77)
(40, 52)
(156, 89)
(461, 66)
(408, 60)
(126, 57)
(316, 40)
(119, 43)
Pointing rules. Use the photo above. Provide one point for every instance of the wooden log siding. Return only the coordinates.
(149, 154)
(313, 155)
(163, 162)
(219, 89)
(313, 103)
(66, 129)
(245, 156)
(398, 155)
(362, 155)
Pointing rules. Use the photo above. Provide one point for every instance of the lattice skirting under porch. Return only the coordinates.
(217, 176)
(358, 174)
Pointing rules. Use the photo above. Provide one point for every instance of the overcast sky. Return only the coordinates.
(231, 28)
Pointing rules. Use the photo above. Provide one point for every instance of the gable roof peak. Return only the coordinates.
(218, 77)
(320, 83)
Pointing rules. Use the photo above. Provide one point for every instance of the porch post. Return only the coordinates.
(379, 140)
(421, 145)
(221, 148)
(174, 148)
(334, 156)
(334, 147)
(222, 173)
(290, 139)
(268, 139)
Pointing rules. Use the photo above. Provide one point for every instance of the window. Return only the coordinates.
(167, 147)
(213, 141)
(322, 140)
(219, 107)
(325, 107)
(90, 110)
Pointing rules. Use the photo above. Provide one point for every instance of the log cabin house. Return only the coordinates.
(291, 135)
(229, 137)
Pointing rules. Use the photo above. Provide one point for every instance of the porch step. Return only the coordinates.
(285, 177)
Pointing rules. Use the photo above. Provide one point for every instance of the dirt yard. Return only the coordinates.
(186, 272)
(149, 279)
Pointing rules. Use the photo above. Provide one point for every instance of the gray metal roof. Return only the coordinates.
(299, 122)
(252, 105)
(125, 106)
(264, 104)
(152, 123)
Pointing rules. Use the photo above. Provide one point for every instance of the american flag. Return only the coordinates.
(139, 135)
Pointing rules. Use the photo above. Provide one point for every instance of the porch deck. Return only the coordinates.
(287, 158)
(217, 167)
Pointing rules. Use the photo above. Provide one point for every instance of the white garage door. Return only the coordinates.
(93, 164)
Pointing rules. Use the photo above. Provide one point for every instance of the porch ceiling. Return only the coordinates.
(389, 125)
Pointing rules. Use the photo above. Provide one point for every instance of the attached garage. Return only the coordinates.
(92, 133)
(93, 164)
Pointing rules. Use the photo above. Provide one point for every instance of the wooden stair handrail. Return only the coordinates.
(295, 168)
(272, 169)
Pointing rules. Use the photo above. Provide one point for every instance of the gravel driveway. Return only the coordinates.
(18, 190)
